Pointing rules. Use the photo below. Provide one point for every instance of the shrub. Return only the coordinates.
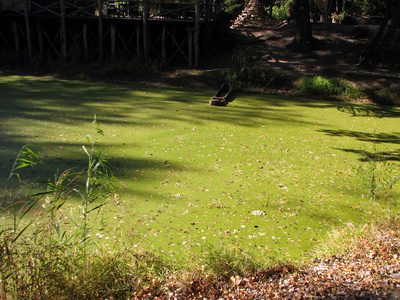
(233, 7)
(37, 255)
(379, 176)
(319, 85)
(339, 17)
(361, 32)
(389, 95)
(379, 238)
(369, 8)
(244, 73)
(281, 11)
(227, 262)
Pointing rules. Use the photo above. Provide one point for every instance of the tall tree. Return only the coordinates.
(334, 6)
(377, 49)
(303, 39)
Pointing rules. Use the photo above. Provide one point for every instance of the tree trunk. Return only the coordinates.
(260, 9)
(303, 40)
(334, 6)
(377, 49)
(331, 6)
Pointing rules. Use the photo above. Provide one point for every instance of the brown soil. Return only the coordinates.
(337, 55)
(369, 269)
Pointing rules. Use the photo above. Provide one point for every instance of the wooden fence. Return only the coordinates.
(99, 29)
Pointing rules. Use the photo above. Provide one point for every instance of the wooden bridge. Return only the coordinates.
(88, 30)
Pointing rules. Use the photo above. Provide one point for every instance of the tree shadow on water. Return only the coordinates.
(375, 138)
(392, 138)
(370, 111)
(366, 156)
(138, 172)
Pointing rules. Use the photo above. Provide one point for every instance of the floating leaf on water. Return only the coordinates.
(258, 212)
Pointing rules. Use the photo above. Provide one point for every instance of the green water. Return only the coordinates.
(267, 173)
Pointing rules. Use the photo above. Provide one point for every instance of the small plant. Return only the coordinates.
(282, 12)
(56, 196)
(93, 194)
(233, 7)
(319, 85)
(98, 184)
(369, 8)
(227, 262)
(15, 211)
(338, 17)
(379, 176)
(361, 32)
(25, 158)
(34, 249)
(389, 95)
(376, 239)
(244, 73)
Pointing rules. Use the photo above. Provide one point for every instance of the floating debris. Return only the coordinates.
(258, 212)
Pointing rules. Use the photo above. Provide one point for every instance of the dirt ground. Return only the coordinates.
(337, 55)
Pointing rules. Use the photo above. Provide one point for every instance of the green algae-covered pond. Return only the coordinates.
(267, 173)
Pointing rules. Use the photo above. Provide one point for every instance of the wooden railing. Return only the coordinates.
(188, 14)
(110, 9)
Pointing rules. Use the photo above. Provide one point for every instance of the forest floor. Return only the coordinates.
(337, 55)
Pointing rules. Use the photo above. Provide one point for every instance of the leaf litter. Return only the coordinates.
(369, 270)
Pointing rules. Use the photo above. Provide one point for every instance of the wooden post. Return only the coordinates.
(164, 45)
(40, 38)
(112, 42)
(207, 33)
(63, 30)
(173, 46)
(145, 30)
(138, 41)
(85, 41)
(16, 36)
(206, 11)
(190, 46)
(197, 34)
(28, 28)
(100, 29)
